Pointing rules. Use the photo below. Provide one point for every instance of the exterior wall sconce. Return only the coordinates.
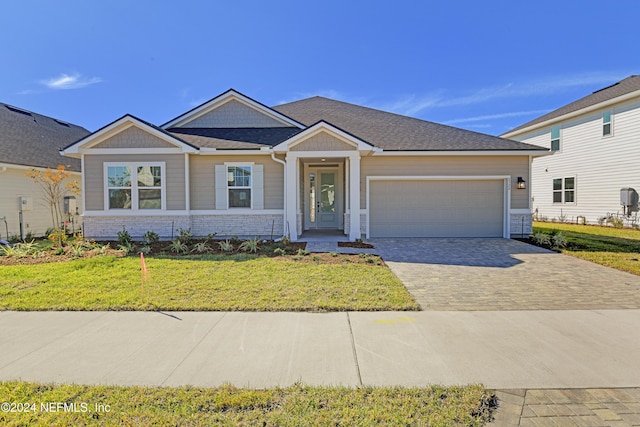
(521, 184)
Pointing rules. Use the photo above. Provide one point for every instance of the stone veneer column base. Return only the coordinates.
(521, 225)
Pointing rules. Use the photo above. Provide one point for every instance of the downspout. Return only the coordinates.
(284, 216)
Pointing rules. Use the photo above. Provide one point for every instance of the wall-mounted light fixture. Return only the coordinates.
(521, 184)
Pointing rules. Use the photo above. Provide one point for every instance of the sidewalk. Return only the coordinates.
(507, 351)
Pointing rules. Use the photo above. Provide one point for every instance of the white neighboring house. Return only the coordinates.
(27, 141)
(596, 153)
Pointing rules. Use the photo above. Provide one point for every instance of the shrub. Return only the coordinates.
(178, 247)
(558, 240)
(58, 236)
(124, 238)
(333, 254)
(302, 252)
(77, 249)
(184, 236)
(250, 245)
(541, 239)
(316, 258)
(150, 237)
(200, 248)
(128, 248)
(279, 252)
(615, 221)
(225, 246)
(145, 250)
(210, 237)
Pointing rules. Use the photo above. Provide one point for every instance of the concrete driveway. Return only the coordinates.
(503, 274)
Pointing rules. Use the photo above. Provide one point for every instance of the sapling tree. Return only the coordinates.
(55, 184)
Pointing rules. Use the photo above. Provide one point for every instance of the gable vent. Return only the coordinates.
(19, 111)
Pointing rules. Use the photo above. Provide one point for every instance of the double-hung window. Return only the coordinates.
(564, 190)
(239, 186)
(606, 123)
(555, 138)
(135, 186)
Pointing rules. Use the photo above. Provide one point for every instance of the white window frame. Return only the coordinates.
(610, 123)
(563, 190)
(559, 139)
(250, 165)
(134, 185)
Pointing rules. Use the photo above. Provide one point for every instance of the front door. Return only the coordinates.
(322, 199)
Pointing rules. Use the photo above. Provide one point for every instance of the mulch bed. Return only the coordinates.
(359, 245)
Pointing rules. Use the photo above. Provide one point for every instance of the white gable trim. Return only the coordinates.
(220, 100)
(117, 127)
(323, 127)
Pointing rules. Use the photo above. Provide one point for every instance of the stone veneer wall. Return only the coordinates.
(521, 225)
(363, 224)
(107, 227)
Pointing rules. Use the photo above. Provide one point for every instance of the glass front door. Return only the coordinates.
(322, 200)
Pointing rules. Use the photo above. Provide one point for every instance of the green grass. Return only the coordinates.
(613, 247)
(228, 406)
(215, 282)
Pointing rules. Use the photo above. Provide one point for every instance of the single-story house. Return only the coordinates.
(31, 141)
(596, 151)
(234, 166)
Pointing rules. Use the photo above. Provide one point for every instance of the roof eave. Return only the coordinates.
(595, 107)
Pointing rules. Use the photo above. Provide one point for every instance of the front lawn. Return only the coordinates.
(71, 405)
(614, 247)
(239, 282)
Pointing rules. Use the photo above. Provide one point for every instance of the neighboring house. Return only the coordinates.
(234, 166)
(596, 146)
(27, 141)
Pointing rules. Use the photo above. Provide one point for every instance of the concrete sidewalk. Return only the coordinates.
(502, 350)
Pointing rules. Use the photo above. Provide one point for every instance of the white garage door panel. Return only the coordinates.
(436, 208)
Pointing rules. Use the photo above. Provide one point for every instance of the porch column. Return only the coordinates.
(354, 196)
(291, 209)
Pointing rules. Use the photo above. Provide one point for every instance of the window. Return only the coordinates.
(606, 123)
(239, 186)
(134, 186)
(555, 138)
(564, 190)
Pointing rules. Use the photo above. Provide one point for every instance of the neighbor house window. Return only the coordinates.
(564, 190)
(606, 123)
(136, 186)
(239, 186)
(555, 138)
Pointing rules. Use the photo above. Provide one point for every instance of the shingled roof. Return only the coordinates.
(234, 138)
(393, 132)
(31, 139)
(623, 87)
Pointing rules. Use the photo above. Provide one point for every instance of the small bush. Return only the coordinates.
(210, 237)
(250, 245)
(128, 248)
(124, 238)
(225, 246)
(58, 236)
(615, 221)
(178, 247)
(302, 252)
(184, 236)
(77, 249)
(200, 248)
(150, 237)
(541, 239)
(558, 241)
(145, 250)
(333, 254)
(316, 258)
(279, 252)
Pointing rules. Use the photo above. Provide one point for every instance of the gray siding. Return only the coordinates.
(233, 114)
(94, 180)
(202, 176)
(323, 142)
(513, 166)
(134, 137)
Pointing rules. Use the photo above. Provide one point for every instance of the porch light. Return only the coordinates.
(521, 185)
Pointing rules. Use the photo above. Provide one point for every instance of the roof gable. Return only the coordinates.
(231, 109)
(129, 133)
(333, 138)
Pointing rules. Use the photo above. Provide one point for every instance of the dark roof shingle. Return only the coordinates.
(234, 138)
(31, 139)
(393, 132)
(623, 87)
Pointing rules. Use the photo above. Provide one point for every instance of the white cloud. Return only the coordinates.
(496, 116)
(66, 81)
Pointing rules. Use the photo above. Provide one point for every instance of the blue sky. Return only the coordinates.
(486, 66)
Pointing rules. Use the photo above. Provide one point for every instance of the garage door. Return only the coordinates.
(436, 208)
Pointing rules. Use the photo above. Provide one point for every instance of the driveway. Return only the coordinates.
(503, 274)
